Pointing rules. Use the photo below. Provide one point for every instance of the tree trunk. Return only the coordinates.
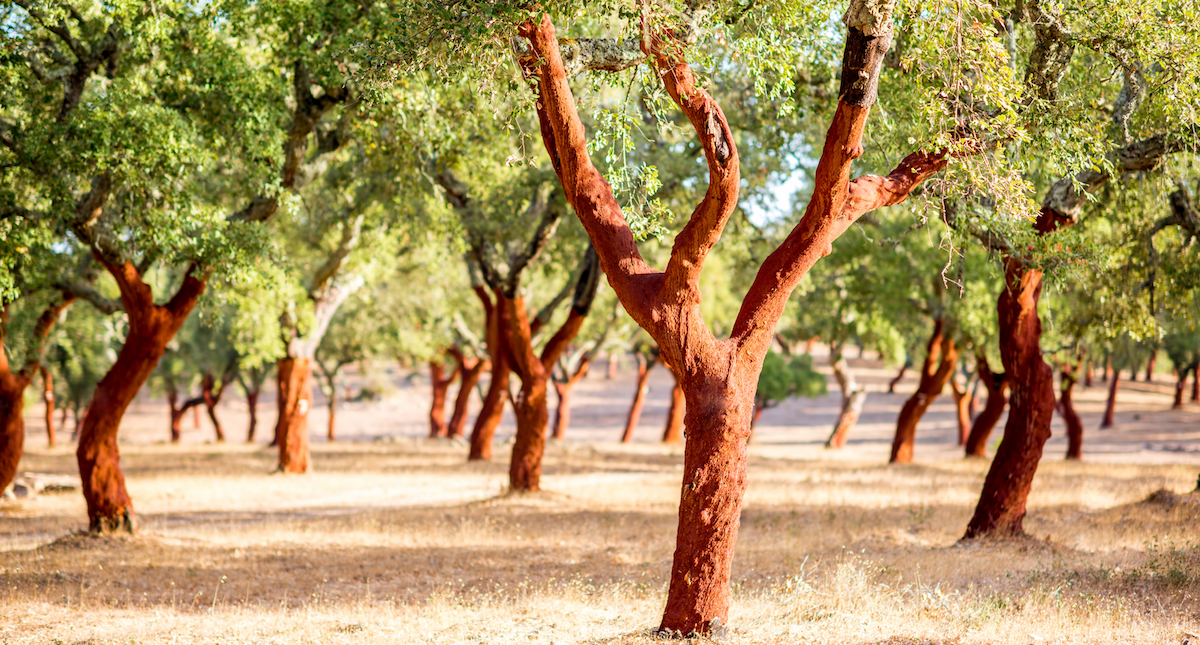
(1195, 383)
(531, 407)
(48, 399)
(1150, 366)
(962, 405)
(1087, 375)
(470, 378)
(1111, 406)
(437, 410)
(899, 375)
(854, 398)
(110, 508)
(1180, 382)
(1001, 507)
(294, 377)
(562, 414)
(639, 398)
(12, 424)
(252, 406)
(211, 400)
(196, 418)
(613, 360)
(492, 410)
(673, 432)
(151, 327)
(710, 506)
(1066, 407)
(176, 413)
(981, 428)
(940, 361)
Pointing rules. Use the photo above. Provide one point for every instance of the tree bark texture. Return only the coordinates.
(717, 377)
(440, 382)
(981, 428)
(941, 358)
(1066, 407)
(151, 327)
(295, 399)
(1150, 366)
(854, 397)
(1110, 406)
(492, 410)
(1001, 507)
(644, 366)
(48, 400)
(563, 388)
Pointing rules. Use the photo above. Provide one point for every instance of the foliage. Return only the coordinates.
(782, 378)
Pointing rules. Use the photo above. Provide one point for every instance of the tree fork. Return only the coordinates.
(717, 376)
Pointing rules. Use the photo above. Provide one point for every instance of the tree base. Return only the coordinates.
(715, 630)
(123, 523)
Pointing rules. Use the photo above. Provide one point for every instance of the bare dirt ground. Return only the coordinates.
(396, 539)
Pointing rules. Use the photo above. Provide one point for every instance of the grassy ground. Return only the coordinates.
(403, 542)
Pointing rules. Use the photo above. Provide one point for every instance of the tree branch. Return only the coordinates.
(584, 187)
(704, 227)
(89, 293)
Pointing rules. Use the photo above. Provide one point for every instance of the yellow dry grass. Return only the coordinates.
(404, 543)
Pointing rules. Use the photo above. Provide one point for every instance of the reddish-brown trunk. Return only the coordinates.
(1066, 407)
(714, 480)
(1110, 407)
(981, 429)
(211, 398)
(492, 410)
(639, 399)
(562, 414)
(12, 424)
(472, 371)
(196, 418)
(252, 406)
(1001, 507)
(437, 409)
(48, 399)
(1087, 375)
(1196, 383)
(531, 406)
(899, 376)
(295, 398)
(151, 327)
(673, 432)
(940, 361)
(1150, 367)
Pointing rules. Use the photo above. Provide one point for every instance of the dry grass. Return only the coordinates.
(402, 542)
(405, 543)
